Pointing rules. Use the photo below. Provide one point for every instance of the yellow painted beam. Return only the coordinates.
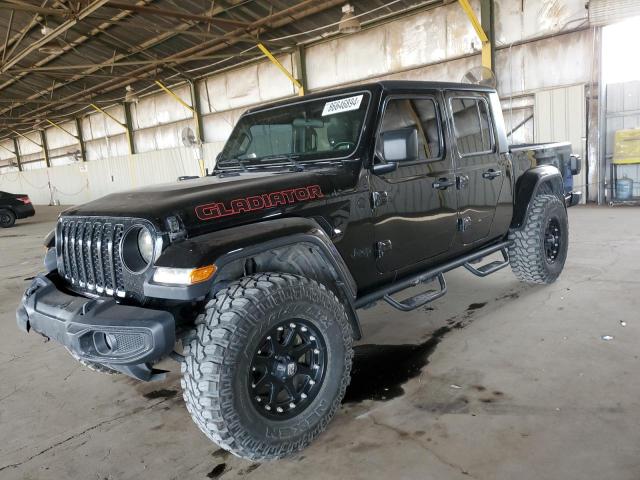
(61, 128)
(98, 109)
(282, 68)
(26, 138)
(173, 94)
(477, 26)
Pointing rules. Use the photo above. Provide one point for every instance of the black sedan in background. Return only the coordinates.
(12, 206)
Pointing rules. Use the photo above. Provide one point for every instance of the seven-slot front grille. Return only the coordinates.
(89, 254)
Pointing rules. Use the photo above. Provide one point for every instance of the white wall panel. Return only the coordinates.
(98, 125)
(56, 138)
(161, 108)
(31, 146)
(161, 137)
(84, 181)
(272, 83)
(251, 85)
(559, 115)
(107, 147)
(218, 126)
(6, 149)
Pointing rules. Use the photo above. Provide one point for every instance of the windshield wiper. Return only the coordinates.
(283, 156)
(235, 160)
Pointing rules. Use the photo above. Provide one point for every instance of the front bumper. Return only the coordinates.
(123, 337)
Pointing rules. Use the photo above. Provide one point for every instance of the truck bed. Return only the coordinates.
(529, 155)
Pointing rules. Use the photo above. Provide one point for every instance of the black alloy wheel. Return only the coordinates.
(552, 238)
(267, 364)
(287, 369)
(539, 249)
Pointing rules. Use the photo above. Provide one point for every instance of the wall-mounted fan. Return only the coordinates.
(188, 137)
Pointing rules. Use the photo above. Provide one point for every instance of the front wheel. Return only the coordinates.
(539, 247)
(268, 364)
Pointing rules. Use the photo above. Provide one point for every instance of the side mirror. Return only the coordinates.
(382, 168)
(575, 164)
(400, 145)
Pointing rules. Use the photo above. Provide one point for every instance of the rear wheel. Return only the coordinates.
(268, 364)
(539, 248)
(7, 218)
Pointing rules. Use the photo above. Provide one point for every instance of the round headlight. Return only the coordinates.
(145, 245)
(137, 248)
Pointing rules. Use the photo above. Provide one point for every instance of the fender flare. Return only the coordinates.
(224, 247)
(528, 186)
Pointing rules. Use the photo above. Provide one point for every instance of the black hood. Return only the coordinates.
(210, 203)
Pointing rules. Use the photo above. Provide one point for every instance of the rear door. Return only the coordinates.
(415, 218)
(480, 174)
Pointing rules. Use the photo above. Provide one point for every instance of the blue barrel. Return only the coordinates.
(624, 189)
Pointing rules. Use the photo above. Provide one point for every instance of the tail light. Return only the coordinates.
(26, 200)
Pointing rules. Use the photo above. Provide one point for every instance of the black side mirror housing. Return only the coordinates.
(575, 164)
(382, 168)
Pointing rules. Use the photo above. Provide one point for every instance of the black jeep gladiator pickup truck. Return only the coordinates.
(251, 277)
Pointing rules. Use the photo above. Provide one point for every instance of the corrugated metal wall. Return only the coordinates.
(604, 12)
(533, 55)
(559, 115)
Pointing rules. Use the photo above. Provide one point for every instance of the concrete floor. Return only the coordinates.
(524, 387)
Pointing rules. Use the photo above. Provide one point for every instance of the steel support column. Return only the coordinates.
(128, 125)
(300, 63)
(487, 19)
(80, 137)
(45, 148)
(197, 111)
(16, 149)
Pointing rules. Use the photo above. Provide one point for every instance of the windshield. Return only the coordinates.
(326, 128)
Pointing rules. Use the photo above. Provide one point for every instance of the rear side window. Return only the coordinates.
(472, 125)
(420, 113)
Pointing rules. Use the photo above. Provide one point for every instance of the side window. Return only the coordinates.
(420, 113)
(472, 126)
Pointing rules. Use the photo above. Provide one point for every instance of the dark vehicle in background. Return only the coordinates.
(251, 277)
(14, 206)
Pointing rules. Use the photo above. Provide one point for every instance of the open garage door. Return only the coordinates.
(605, 12)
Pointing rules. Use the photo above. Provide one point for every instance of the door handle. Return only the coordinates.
(443, 183)
(491, 174)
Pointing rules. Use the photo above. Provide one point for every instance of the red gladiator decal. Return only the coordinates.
(237, 206)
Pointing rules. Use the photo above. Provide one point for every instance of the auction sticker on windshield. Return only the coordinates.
(342, 105)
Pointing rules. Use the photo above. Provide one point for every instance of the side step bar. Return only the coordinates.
(419, 300)
(436, 273)
(489, 268)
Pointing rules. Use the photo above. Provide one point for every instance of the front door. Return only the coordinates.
(414, 205)
(480, 173)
